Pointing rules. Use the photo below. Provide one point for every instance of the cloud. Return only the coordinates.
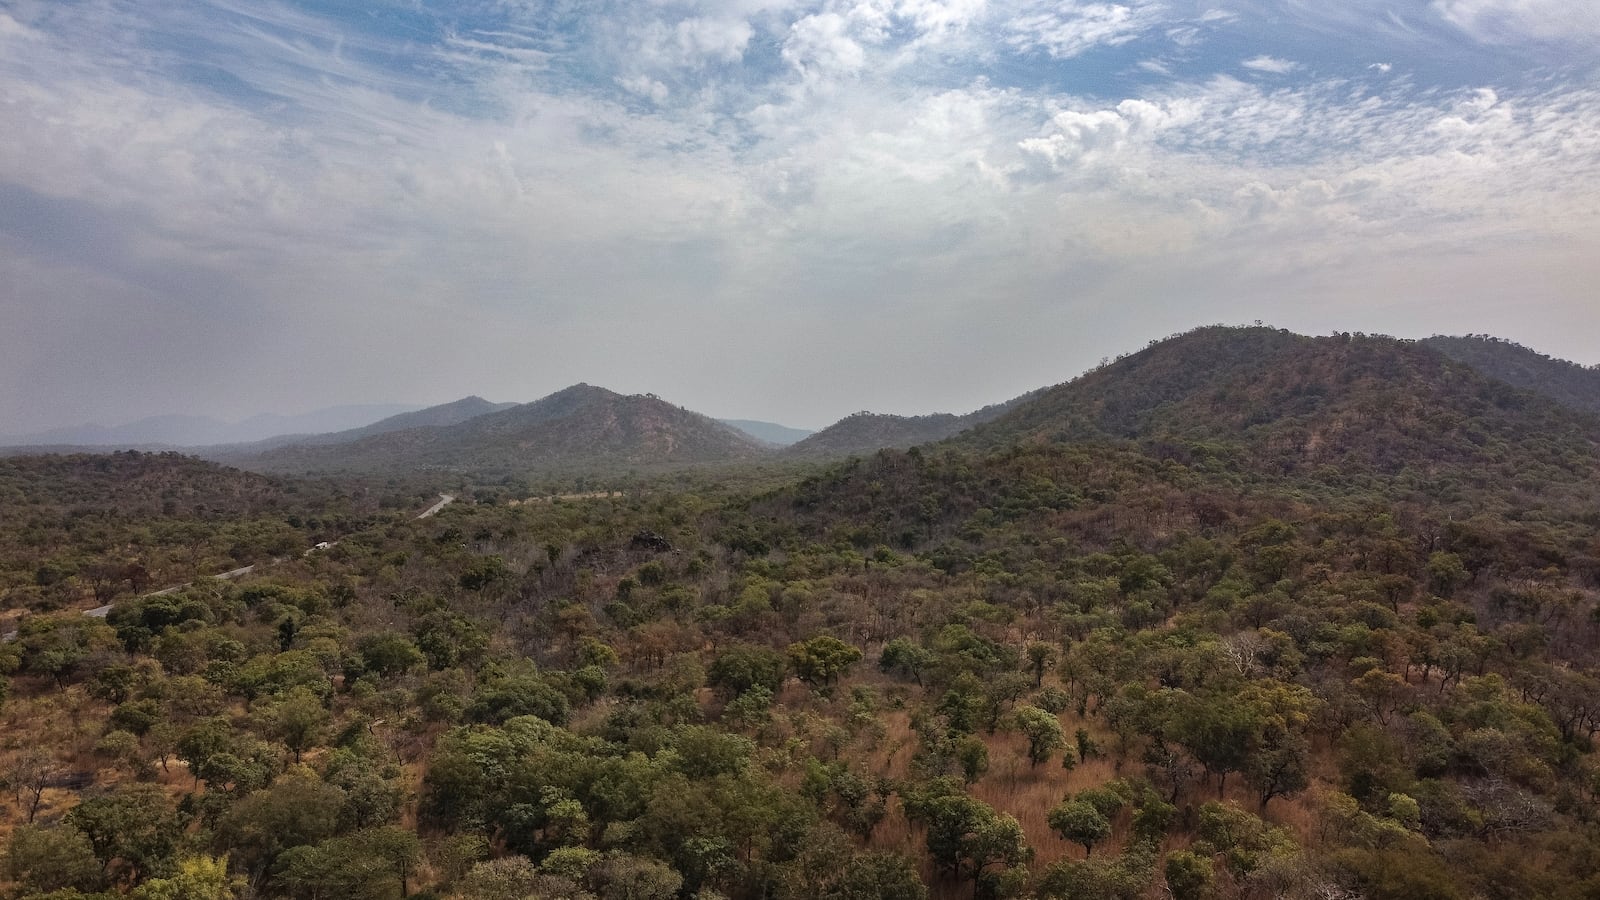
(645, 86)
(824, 43)
(1498, 21)
(278, 206)
(1065, 30)
(1270, 65)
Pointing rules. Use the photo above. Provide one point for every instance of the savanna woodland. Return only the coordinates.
(1243, 615)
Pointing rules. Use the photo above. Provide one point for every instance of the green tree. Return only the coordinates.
(965, 835)
(41, 859)
(1080, 822)
(296, 810)
(906, 658)
(297, 719)
(1188, 875)
(134, 826)
(877, 876)
(1042, 730)
(1041, 656)
(196, 878)
(388, 653)
(822, 659)
(740, 667)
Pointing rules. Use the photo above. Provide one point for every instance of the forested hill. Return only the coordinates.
(865, 432)
(82, 529)
(579, 428)
(1567, 383)
(442, 415)
(1245, 616)
(1287, 402)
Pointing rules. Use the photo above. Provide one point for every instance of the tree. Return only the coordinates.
(1278, 766)
(297, 719)
(906, 658)
(388, 653)
(740, 667)
(297, 810)
(822, 659)
(1124, 877)
(1188, 875)
(1040, 657)
(361, 865)
(875, 876)
(1080, 822)
(134, 825)
(1042, 730)
(31, 771)
(622, 876)
(507, 878)
(1217, 733)
(966, 835)
(52, 859)
(196, 878)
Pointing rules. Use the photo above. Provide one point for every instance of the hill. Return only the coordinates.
(1285, 402)
(770, 432)
(80, 529)
(865, 432)
(444, 414)
(195, 431)
(581, 427)
(1571, 385)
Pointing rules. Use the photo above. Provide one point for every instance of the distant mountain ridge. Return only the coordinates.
(581, 426)
(1309, 400)
(444, 414)
(1571, 385)
(865, 432)
(770, 432)
(197, 431)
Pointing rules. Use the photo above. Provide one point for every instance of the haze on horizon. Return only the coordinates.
(778, 209)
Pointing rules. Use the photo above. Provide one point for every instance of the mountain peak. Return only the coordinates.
(581, 426)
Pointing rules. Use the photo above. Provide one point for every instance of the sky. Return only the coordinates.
(787, 210)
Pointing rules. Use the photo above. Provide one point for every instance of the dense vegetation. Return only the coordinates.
(1319, 628)
(1572, 385)
(89, 528)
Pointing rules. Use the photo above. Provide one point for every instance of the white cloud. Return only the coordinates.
(1381, 67)
(1067, 29)
(722, 40)
(1496, 21)
(645, 86)
(937, 17)
(854, 174)
(823, 43)
(1270, 64)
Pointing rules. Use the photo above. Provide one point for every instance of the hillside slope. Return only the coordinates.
(442, 415)
(1290, 402)
(865, 432)
(579, 427)
(1571, 385)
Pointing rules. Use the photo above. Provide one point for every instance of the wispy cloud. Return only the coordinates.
(1065, 30)
(1270, 65)
(1496, 21)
